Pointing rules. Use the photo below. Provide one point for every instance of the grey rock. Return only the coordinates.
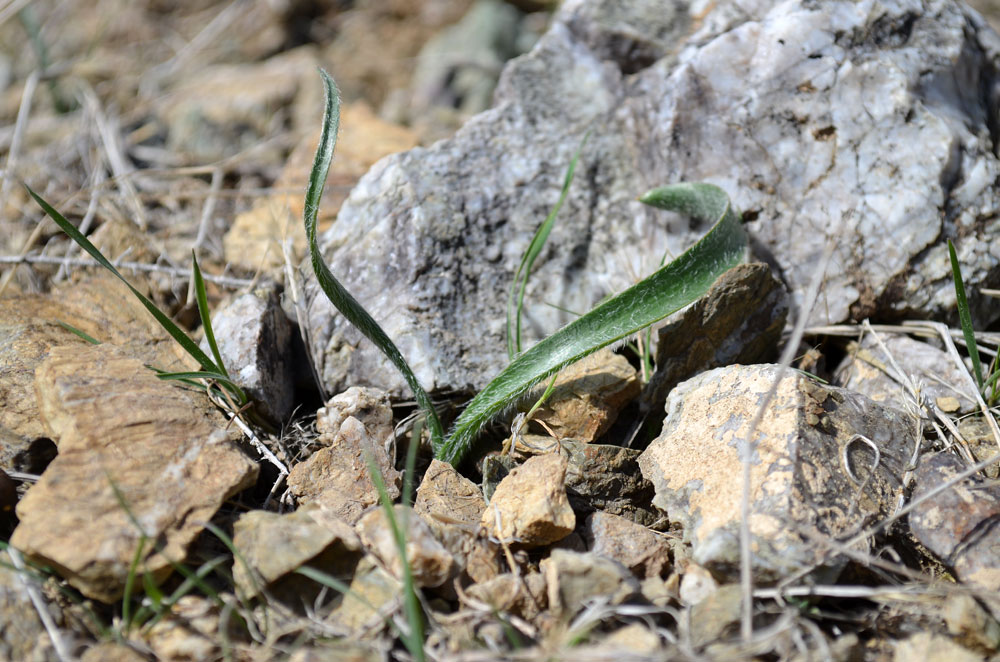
(637, 548)
(811, 474)
(458, 68)
(961, 524)
(862, 125)
(574, 578)
(866, 369)
(254, 338)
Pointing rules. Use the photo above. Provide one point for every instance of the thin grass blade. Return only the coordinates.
(338, 295)
(175, 332)
(669, 289)
(414, 639)
(206, 317)
(75, 331)
(515, 300)
(964, 317)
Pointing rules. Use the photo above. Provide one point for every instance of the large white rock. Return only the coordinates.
(867, 125)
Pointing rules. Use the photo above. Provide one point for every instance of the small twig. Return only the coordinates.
(930, 494)
(111, 139)
(787, 355)
(226, 281)
(62, 652)
(20, 125)
(11, 9)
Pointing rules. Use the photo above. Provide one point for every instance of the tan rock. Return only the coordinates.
(814, 468)
(530, 506)
(337, 477)
(637, 548)
(372, 589)
(110, 651)
(930, 647)
(634, 638)
(29, 328)
(256, 237)
(717, 616)
(188, 633)
(369, 405)
(600, 477)
(588, 396)
(970, 624)
(452, 506)
(738, 321)
(274, 545)
(525, 596)
(127, 440)
(573, 578)
(430, 563)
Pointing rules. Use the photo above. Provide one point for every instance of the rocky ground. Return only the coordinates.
(147, 520)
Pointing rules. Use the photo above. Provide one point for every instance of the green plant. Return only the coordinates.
(515, 300)
(212, 371)
(964, 316)
(667, 290)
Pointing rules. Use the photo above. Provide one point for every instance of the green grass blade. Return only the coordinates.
(175, 332)
(667, 290)
(338, 295)
(72, 329)
(133, 570)
(515, 300)
(205, 315)
(414, 639)
(964, 317)
(223, 380)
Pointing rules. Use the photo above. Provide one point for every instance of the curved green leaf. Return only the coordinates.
(335, 292)
(515, 300)
(667, 290)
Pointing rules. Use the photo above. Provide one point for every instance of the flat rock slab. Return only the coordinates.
(811, 473)
(864, 126)
(29, 328)
(961, 524)
(120, 428)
